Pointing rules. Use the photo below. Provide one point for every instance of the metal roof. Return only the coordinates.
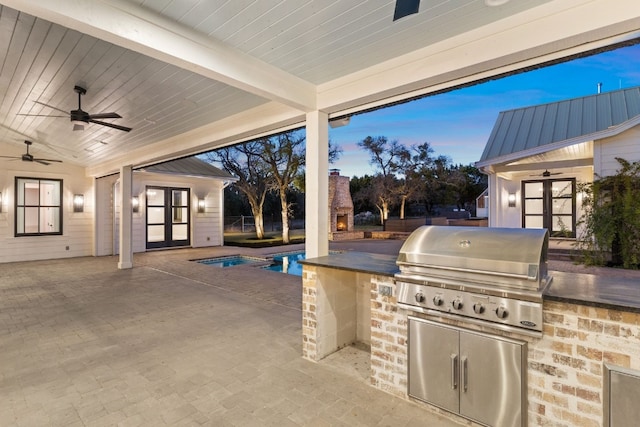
(190, 166)
(535, 129)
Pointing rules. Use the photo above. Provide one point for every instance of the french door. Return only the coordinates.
(550, 204)
(167, 217)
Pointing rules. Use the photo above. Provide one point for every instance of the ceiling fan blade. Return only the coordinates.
(40, 115)
(111, 125)
(405, 8)
(42, 162)
(47, 160)
(10, 157)
(105, 116)
(55, 108)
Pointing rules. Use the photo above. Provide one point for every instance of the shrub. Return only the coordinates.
(611, 221)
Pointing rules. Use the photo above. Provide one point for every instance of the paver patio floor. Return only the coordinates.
(170, 342)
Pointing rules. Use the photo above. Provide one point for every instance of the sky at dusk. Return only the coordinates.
(457, 124)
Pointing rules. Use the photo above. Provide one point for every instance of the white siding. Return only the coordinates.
(625, 146)
(77, 227)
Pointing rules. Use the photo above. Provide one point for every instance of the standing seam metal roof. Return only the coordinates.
(526, 128)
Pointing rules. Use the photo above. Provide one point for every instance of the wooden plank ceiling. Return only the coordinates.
(268, 43)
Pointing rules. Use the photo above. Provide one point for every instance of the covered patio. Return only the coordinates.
(172, 342)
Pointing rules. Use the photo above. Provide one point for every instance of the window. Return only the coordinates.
(38, 206)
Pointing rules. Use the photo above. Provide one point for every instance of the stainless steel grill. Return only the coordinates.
(492, 276)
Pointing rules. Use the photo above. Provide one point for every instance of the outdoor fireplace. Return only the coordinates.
(340, 207)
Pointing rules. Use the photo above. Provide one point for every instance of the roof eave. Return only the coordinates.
(607, 133)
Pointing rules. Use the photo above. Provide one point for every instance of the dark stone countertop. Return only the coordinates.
(361, 262)
(618, 293)
(601, 290)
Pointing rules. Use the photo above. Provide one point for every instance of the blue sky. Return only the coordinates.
(457, 124)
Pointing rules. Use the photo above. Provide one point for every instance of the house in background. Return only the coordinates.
(56, 211)
(536, 156)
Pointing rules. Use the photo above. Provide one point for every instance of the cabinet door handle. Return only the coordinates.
(465, 378)
(454, 371)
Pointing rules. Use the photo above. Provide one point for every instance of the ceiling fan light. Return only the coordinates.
(77, 125)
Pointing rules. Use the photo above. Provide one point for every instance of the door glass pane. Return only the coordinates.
(562, 223)
(561, 189)
(155, 197)
(533, 206)
(533, 189)
(533, 222)
(180, 215)
(562, 206)
(179, 231)
(155, 233)
(180, 197)
(155, 215)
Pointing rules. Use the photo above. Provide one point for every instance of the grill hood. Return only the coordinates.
(511, 257)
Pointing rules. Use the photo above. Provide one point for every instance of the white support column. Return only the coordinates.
(494, 201)
(126, 218)
(317, 185)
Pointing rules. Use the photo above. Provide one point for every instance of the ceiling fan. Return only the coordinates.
(79, 117)
(546, 174)
(28, 157)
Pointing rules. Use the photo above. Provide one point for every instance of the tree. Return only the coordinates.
(284, 156)
(253, 175)
(388, 158)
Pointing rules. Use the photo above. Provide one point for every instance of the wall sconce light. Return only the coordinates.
(135, 204)
(200, 205)
(78, 202)
(512, 200)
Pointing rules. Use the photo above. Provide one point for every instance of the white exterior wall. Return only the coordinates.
(501, 215)
(206, 228)
(77, 227)
(605, 151)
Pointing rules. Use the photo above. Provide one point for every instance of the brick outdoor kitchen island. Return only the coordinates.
(590, 341)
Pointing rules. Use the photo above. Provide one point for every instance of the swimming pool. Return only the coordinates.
(287, 263)
(230, 261)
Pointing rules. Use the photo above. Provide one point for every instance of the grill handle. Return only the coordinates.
(454, 371)
(532, 276)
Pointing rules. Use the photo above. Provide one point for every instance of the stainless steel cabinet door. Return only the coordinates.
(491, 380)
(434, 364)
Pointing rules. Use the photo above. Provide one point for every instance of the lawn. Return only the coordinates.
(272, 238)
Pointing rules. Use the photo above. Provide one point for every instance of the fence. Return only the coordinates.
(246, 224)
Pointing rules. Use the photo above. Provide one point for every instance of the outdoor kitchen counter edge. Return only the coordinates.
(361, 262)
(576, 288)
(601, 291)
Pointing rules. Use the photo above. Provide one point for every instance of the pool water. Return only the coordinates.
(230, 261)
(287, 263)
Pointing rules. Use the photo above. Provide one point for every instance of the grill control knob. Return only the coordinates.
(502, 312)
(478, 308)
(437, 300)
(457, 304)
(420, 297)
